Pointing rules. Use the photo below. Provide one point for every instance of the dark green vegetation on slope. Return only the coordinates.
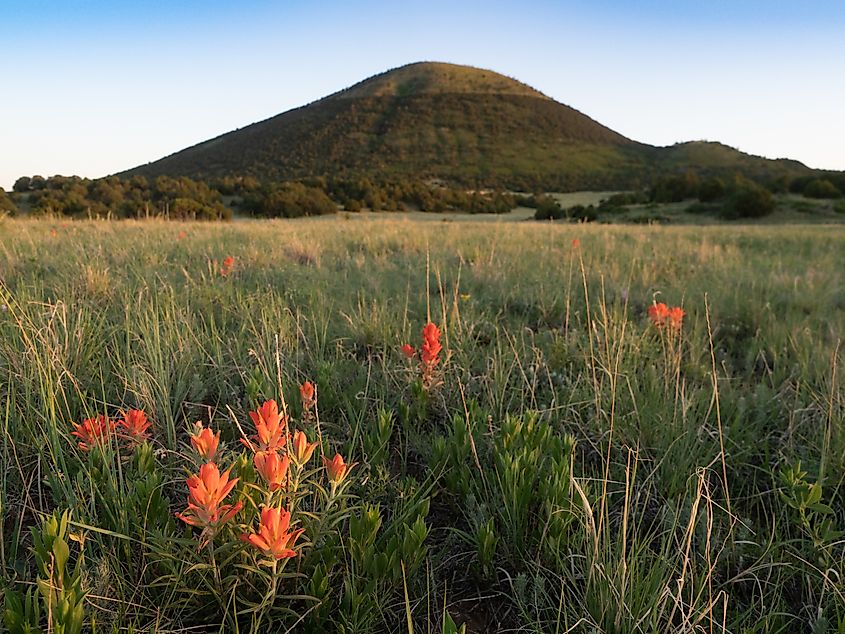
(464, 125)
(576, 471)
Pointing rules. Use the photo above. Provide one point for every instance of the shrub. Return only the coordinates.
(582, 213)
(749, 200)
(821, 188)
(548, 209)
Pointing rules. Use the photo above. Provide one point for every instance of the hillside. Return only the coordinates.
(462, 124)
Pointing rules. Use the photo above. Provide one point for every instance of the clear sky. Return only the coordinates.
(94, 87)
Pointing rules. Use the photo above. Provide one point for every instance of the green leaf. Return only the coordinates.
(814, 494)
(61, 552)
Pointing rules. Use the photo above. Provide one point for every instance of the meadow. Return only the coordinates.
(569, 461)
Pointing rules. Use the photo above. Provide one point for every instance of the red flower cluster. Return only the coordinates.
(206, 492)
(429, 353)
(133, 428)
(431, 345)
(228, 265)
(662, 315)
(272, 461)
(271, 428)
(93, 431)
(308, 393)
(274, 452)
(273, 537)
(205, 442)
(273, 468)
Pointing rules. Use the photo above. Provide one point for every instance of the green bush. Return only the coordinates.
(582, 213)
(749, 200)
(821, 188)
(548, 209)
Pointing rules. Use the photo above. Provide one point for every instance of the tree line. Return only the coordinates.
(729, 197)
(182, 198)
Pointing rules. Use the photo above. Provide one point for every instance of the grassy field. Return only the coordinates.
(566, 466)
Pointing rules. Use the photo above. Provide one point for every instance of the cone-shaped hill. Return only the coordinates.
(457, 123)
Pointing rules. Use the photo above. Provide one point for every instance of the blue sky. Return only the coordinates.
(94, 87)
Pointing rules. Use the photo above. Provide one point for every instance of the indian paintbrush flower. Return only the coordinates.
(336, 468)
(302, 449)
(134, 427)
(93, 431)
(273, 468)
(228, 265)
(309, 395)
(271, 427)
(205, 442)
(273, 537)
(676, 317)
(661, 315)
(206, 493)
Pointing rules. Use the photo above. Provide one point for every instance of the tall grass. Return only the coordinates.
(578, 470)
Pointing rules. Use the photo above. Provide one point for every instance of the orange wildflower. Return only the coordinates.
(336, 468)
(272, 468)
(302, 449)
(409, 351)
(93, 431)
(205, 442)
(273, 538)
(228, 265)
(429, 354)
(658, 313)
(308, 393)
(134, 426)
(271, 427)
(676, 317)
(182, 235)
(662, 315)
(206, 492)
(576, 243)
(431, 345)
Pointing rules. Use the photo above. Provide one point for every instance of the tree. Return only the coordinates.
(749, 200)
(22, 184)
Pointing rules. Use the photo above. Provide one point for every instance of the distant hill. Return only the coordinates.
(456, 123)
